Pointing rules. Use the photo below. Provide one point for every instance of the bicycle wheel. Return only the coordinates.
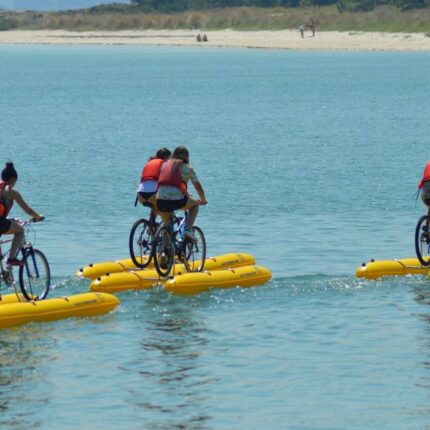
(422, 240)
(195, 251)
(34, 275)
(140, 243)
(163, 251)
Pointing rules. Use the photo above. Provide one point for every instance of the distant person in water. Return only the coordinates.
(148, 186)
(8, 195)
(199, 38)
(302, 30)
(312, 25)
(424, 187)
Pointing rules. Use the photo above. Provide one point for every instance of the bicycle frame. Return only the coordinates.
(152, 219)
(5, 274)
(171, 244)
(26, 250)
(182, 224)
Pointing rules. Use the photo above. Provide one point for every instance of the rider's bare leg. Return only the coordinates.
(193, 209)
(153, 202)
(165, 216)
(18, 231)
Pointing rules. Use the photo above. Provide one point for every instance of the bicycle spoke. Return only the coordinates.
(422, 240)
(140, 243)
(34, 276)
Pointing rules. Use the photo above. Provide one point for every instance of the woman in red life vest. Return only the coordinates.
(424, 186)
(172, 188)
(147, 189)
(8, 196)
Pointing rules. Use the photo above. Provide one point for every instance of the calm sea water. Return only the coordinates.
(310, 162)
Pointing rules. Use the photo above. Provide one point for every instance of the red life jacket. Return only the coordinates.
(170, 175)
(426, 176)
(5, 205)
(151, 171)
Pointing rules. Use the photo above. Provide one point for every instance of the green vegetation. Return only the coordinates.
(169, 6)
(7, 23)
(113, 17)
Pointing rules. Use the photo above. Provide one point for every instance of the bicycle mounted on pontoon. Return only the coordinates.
(170, 244)
(34, 274)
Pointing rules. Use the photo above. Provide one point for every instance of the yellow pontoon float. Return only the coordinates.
(13, 312)
(194, 283)
(377, 269)
(147, 278)
(94, 271)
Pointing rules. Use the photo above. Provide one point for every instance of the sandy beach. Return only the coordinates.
(285, 39)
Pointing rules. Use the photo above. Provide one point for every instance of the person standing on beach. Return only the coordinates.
(302, 30)
(312, 25)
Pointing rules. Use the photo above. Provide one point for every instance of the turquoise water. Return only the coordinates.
(310, 162)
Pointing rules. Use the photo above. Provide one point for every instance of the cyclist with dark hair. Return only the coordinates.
(8, 195)
(147, 189)
(172, 189)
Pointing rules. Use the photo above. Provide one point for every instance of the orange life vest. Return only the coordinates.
(151, 171)
(170, 175)
(5, 205)
(426, 176)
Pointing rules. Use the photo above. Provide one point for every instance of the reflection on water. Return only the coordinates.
(176, 343)
(24, 353)
(422, 296)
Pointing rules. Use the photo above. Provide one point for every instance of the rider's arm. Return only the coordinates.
(200, 191)
(191, 175)
(21, 202)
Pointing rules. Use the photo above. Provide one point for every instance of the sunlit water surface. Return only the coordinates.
(310, 162)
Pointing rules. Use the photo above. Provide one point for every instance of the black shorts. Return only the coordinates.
(4, 225)
(171, 205)
(146, 196)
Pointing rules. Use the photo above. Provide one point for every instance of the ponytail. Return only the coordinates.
(9, 172)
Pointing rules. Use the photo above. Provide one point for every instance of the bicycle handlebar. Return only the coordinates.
(24, 222)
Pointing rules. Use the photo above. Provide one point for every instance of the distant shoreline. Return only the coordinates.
(282, 39)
